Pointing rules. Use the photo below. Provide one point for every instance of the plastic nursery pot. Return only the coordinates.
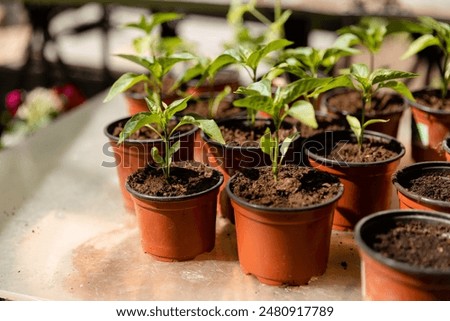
(133, 154)
(446, 147)
(177, 228)
(429, 127)
(283, 245)
(409, 200)
(367, 186)
(229, 159)
(353, 98)
(386, 279)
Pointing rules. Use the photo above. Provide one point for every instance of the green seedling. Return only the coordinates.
(272, 30)
(158, 119)
(284, 102)
(370, 32)
(433, 34)
(368, 83)
(156, 56)
(250, 60)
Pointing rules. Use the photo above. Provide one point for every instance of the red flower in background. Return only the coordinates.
(13, 100)
(71, 94)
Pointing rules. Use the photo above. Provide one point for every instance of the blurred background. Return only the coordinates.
(46, 45)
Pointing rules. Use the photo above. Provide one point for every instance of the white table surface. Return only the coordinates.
(65, 235)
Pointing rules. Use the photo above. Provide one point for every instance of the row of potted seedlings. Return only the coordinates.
(281, 170)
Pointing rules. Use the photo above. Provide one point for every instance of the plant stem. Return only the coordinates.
(367, 101)
(166, 156)
(275, 165)
(443, 75)
(262, 18)
(372, 62)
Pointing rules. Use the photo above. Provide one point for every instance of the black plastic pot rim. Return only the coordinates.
(281, 209)
(367, 133)
(395, 214)
(141, 141)
(419, 167)
(165, 199)
(426, 108)
(251, 148)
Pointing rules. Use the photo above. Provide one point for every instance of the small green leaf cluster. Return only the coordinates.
(432, 33)
(158, 60)
(243, 36)
(308, 61)
(249, 59)
(368, 83)
(280, 104)
(156, 55)
(158, 119)
(370, 32)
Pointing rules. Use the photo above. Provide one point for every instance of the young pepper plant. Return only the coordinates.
(370, 32)
(284, 102)
(433, 33)
(272, 30)
(155, 55)
(310, 62)
(158, 120)
(249, 59)
(368, 83)
(304, 62)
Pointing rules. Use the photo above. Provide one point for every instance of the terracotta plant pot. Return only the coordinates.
(429, 127)
(177, 228)
(446, 147)
(283, 245)
(409, 200)
(367, 186)
(388, 279)
(352, 97)
(229, 159)
(134, 154)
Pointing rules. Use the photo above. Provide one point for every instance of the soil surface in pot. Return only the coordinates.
(296, 187)
(432, 184)
(432, 99)
(242, 134)
(145, 133)
(417, 243)
(185, 178)
(370, 151)
(350, 102)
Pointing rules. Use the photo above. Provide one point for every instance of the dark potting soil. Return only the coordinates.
(296, 187)
(432, 184)
(350, 102)
(433, 100)
(418, 244)
(242, 134)
(145, 133)
(186, 178)
(369, 152)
